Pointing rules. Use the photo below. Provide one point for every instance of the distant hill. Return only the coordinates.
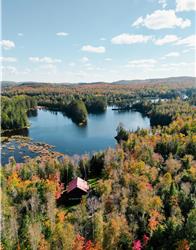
(181, 79)
(92, 83)
(169, 80)
(34, 84)
(8, 83)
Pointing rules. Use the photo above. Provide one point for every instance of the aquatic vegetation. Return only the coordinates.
(26, 149)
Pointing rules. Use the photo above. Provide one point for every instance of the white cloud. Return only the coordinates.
(151, 61)
(189, 49)
(48, 67)
(108, 59)
(72, 64)
(180, 64)
(185, 5)
(172, 54)
(173, 69)
(142, 63)
(84, 59)
(165, 40)
(90, 68)
(20, 34)
(62, 34)
(9, 70)
(177, 66)
(7, 44)
(8, 59)
(44, 60)
(102, 38)
(90, 48)
(162, 19)
(163, 3)
(130, 39)
(189, 41)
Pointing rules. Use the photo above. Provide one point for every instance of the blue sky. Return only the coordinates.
(97, 40)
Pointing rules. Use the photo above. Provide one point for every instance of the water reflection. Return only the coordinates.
(32, 113)
(57, 129)
(21, 132)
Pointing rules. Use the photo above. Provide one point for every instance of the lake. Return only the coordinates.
(58, 130)
(68, 138)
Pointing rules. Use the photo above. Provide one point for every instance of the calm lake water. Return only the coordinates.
(58, 130)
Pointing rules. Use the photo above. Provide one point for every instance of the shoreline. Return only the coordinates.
(3, 133)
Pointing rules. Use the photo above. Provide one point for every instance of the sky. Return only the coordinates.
(97, 40)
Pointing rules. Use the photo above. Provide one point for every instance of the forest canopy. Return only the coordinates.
(14, 111)
(142, 195)
(77, 111)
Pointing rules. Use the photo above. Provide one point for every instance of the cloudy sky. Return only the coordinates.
(97, 40)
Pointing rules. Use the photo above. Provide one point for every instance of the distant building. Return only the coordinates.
(76, 188)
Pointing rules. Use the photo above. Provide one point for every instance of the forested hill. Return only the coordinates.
(170, 80)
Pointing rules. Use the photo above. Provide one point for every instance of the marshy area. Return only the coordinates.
(21, 149)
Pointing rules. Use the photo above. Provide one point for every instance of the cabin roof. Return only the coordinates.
(77, 183)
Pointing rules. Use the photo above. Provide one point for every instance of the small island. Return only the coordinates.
(77, 111)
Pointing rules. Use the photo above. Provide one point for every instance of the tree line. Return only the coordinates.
(164, 111)
(57, 96)
(14, 111)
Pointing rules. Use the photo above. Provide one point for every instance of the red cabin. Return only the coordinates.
(77, 187)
